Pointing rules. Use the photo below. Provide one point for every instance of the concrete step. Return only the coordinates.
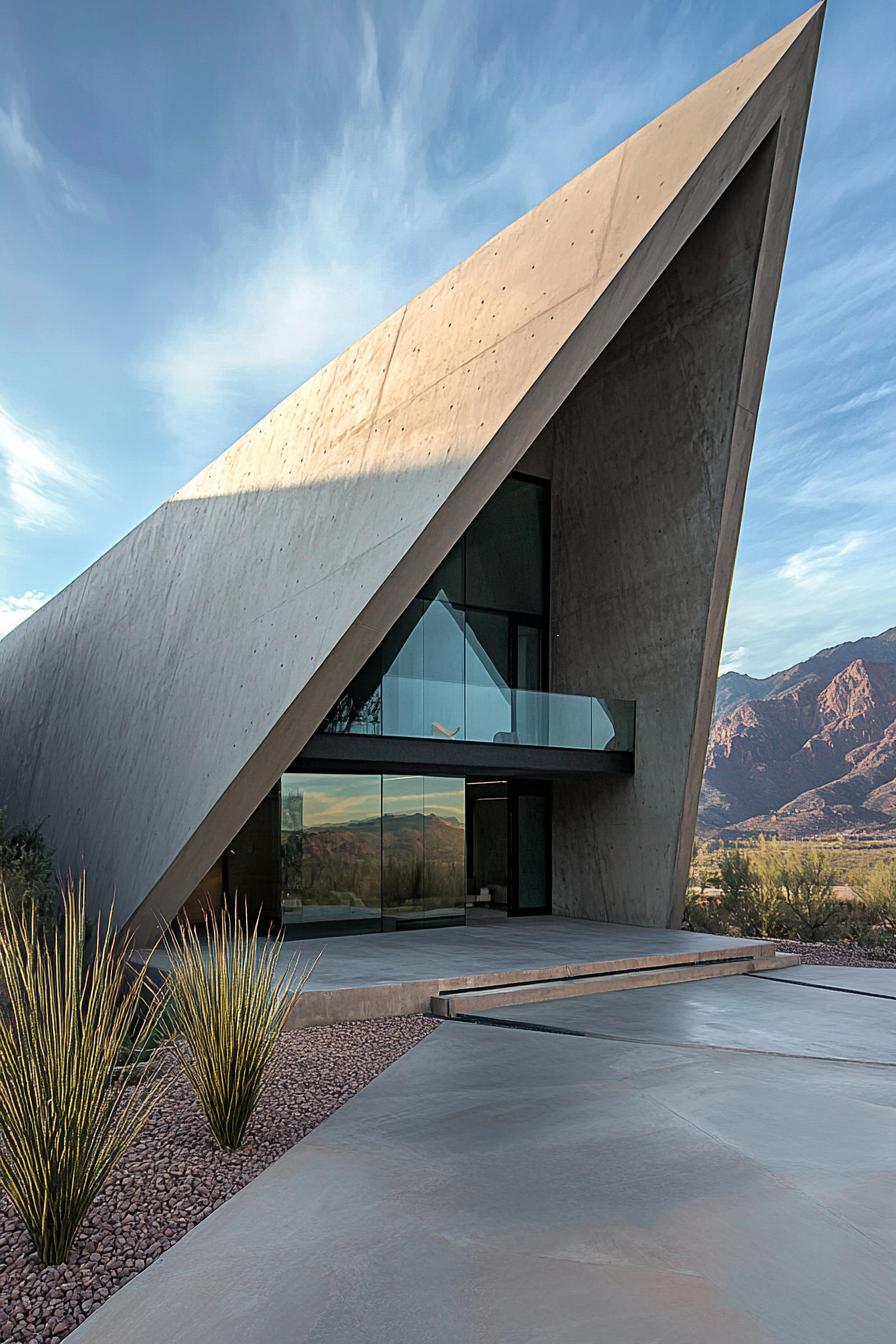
(455, 1003)
(778, 961)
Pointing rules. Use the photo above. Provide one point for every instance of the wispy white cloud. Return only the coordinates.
(820, 595)
(396, 202)
(15, 143)
(43, 482)
(21, 151)
(14, 610)
(733, 659)
(814, 567)
(866, 398)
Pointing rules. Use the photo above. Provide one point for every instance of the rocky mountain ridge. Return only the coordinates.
(808, 751)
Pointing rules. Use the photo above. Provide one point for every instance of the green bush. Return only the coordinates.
(26, 872)
(877, 888)
(68, 1111)
(228, 1006)
(803, 878)
(751, 897)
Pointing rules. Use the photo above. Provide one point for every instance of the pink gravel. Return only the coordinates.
(834, 954)
(175, 1175)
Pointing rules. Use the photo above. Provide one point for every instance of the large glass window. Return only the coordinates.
(423, 850)
(444, 884)
(475, 630)
(330, 845)
(488, 680)
(361, 852)
(506, 549)
(403, 866)
(423, 673)
(447, 584)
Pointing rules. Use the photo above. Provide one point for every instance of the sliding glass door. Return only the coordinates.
(509, 856)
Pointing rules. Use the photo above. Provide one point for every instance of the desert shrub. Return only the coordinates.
(703, 871)
(750, 896)
(877, 888)
(26, 871)
(704, 913)
(775, 889)
(804, 879)
(228, 1006)
(68, 1111)
(874, 918)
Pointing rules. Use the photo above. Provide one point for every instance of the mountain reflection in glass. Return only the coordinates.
(423, 849)
(330, 845)
(362, 852)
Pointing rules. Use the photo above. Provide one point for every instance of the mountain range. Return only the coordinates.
(808, 751)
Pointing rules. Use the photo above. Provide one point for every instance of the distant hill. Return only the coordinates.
(401, 833)
(734, 687)
(807, 751)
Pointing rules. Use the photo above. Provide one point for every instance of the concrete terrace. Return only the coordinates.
(377, 975)
(528, 1187)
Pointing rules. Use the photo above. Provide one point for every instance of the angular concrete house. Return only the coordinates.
(441, 633)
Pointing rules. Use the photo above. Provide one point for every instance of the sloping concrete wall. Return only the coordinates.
(641, 457)
(147, 709)
(650, 455)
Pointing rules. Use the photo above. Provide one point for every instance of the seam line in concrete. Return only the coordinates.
(815, 984)
(670, 1045)
(778, 1177)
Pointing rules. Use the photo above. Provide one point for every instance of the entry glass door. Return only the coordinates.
(508, 838)
(530, 831)
(488, 845)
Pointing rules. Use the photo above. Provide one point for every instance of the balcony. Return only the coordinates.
(435, 678)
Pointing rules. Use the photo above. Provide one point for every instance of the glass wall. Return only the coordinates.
(364, 852)
(423, 672)
(506, 550)
(330, 847)
(423, 850)
(475, 631)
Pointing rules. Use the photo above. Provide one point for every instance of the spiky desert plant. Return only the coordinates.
(228, 1005)
(68, 1110)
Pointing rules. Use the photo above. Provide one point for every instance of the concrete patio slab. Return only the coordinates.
(740, 1013)
(878, 981)
(377, 975)
(529, 1188)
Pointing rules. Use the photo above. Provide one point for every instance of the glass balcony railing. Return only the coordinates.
(433, 678)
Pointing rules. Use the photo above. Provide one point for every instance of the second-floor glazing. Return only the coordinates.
(467, 660)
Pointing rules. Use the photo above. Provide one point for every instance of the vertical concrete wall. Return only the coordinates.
(641, 459)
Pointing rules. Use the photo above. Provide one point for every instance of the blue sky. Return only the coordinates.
(201, 203)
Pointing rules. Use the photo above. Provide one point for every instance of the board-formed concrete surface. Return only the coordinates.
(751, 1013)
(520, 1187)
(179, 676)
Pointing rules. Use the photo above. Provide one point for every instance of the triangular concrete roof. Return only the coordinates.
(150, 706)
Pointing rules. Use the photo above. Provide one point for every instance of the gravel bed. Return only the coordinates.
(175, 1175)
(833, 954)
